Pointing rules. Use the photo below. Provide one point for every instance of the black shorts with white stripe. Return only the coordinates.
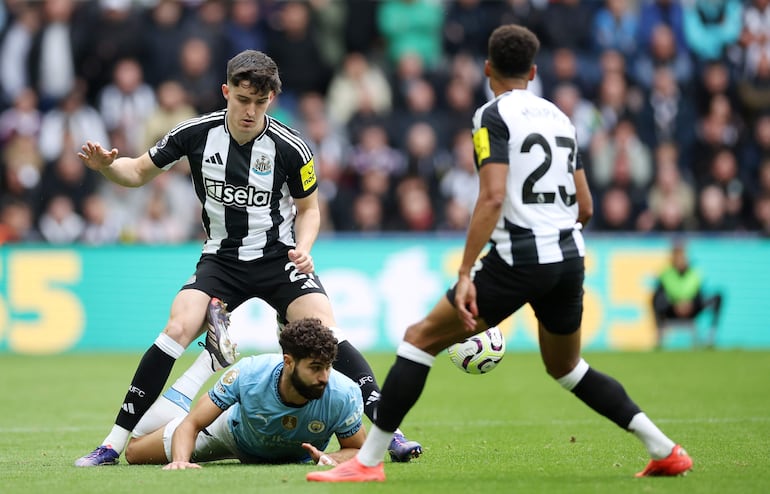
(554, 291)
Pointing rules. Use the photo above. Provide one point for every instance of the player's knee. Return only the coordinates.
(180, 333)
(130, 453)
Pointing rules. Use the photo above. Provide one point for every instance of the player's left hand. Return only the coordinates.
(180, 465)
(318, 456)
(302, 259)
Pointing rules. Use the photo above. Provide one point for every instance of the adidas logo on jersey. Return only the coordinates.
(214, 159)
(128, 407)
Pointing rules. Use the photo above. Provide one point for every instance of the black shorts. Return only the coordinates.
(273, 279)
(554, 291)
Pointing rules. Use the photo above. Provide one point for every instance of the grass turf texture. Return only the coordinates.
(513, 430)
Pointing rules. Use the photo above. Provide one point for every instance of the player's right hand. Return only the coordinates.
(96, 157)
(180, 465)
(465, 302)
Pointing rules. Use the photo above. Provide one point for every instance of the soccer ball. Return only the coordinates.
(480, 353)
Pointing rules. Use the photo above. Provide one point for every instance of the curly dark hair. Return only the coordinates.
(258, 69)
(512, 50)
(308, 337)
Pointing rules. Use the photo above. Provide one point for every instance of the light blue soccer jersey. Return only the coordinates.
(268, 430)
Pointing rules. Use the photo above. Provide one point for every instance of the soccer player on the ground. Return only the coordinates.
(265, 409)
(533, 201)
(255, 180)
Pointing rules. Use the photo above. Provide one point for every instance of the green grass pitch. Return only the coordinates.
(513, 430)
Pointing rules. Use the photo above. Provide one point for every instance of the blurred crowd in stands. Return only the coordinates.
(671, 100)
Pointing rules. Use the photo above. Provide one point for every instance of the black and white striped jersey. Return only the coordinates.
(538, 224)
(246, 191)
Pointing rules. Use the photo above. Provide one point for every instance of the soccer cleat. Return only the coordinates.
(103, 455)
(218, 343)
(402, 450)
(349, 471)
(677, 463)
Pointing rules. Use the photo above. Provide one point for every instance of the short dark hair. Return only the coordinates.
(308, 337)
(512, 50)
(258, 69)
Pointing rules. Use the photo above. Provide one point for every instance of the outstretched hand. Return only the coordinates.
(181, 465)
(96, 157)
(318, 456)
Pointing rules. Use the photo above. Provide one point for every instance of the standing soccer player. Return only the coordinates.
(533, 202)
(255, 179)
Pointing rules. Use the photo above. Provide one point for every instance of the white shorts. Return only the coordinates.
(215, 442)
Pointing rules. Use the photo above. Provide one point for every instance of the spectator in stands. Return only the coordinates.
(126, 103)
(55, 52)
(331, 149)
(723, 172)
(467, 26)
(713, 79)
(102, 226)
(17, 222)
(459, 105)
(415, 208)
(245, 27)
(656, 12)
(358, 83)
(718, 129)
(679, 294)
(670, 200)
(755, 36)
(425, 157)
(613, 101)
(328, 19)
(564, 66)
(663, 53)
(615, 28)
(668, 112)
(582, 113)
(22, 166)
(157, 225)
(367, 215)
(371, 149)
(712, 211)
(15, 45)
(754, 91)
(460, 185)
(112, 32)
(60, 223)
(293, 45)
(173, 107)
(621, 159)
(23, 118)
(421, 107)
(762, 215)
(568, 24)
(165, 31)
(199, 76)
(615, 211)
(468, 69)
(360, 29)
(412, 26)
(66, 177)
(209, 23)
(68, 124)
(711, 27)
